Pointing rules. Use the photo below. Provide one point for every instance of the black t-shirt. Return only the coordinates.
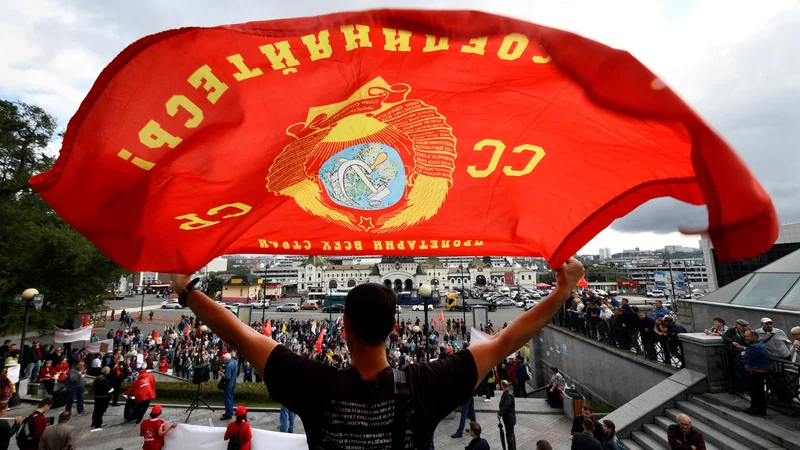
(341, 410)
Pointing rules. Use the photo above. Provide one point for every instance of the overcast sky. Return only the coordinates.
(736, 62)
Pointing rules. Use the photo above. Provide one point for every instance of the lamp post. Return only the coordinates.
(30, 297)
(264, 297)
(672, 282)
(141, 309)
(425, 292)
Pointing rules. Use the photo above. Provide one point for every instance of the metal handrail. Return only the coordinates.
(782, 381)
(667, 350)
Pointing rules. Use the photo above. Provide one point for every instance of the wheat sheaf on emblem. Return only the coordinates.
(377, 161)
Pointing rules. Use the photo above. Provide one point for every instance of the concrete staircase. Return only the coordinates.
(723, 424)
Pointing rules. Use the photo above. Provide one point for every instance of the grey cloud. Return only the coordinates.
(751, 95)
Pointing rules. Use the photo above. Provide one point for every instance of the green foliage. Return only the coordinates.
(248, 394)
(237, 269)
(37, 248)
(214, 284)
(547, 277)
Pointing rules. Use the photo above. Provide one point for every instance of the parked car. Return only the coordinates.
(171, 304)
(337, 308)
(291, 307)
(261, 304)
(600, 293)
(421, 307)
(310, 305)
(655, 293)
(505, 302)
(528, 306)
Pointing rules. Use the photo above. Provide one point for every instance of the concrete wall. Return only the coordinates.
(697, 315)
(603, 374)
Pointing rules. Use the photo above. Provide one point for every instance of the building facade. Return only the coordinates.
(721, 274)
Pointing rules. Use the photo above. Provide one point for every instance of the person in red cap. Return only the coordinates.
(240, 429)
(143, 390)
(153, 430)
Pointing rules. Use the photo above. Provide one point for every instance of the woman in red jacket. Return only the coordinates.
(61, 369)
(47, 376)
(143, 390)
(240, 428)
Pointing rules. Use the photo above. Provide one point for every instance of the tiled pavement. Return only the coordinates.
(535, 421)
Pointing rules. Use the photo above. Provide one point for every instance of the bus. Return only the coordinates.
(406, 298)
(316, 297)
(335, 298)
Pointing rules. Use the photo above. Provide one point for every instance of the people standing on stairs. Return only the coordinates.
(775, 339)
(467, 412)
(734, 337)
(586, 440)
(102, 390)
(586, 414)
(682, 436)
(62, 436)
(756, 364)
(507, 413)
(610, 440)
(521, 371)
(143, 390)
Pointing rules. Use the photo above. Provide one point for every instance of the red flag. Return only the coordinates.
(582, 283)
(365, 134)
(434, 323)
(441, 316)
(268, 328)
(319, 340)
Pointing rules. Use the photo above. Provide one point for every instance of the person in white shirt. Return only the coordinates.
(605, 312)
(775, 339)
(580, 307)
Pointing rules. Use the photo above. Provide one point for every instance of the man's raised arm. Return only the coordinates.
(491, 351)
(253, 345)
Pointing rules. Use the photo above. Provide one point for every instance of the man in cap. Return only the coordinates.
(756, 363)
(153, 430)
(775, 339)
(735, 337)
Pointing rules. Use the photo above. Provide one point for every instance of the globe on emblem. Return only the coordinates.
(366, 177)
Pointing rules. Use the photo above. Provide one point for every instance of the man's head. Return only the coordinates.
(641, 315)
(35, 343)
(586, 412)
(609, 427)
(742, 325)
(44, 405)
(12, 347)
(155, 412)
(718, 322)
(669, 322)
(78, 365)
(475, 429)
(588, 426)
(543, 445)
(504, 384)
(766, 324)
(105, 370)
(684, 423)
(660, 320)
(625, 301)
(751, 336)
(659, 304)
(48, 363)
(64, 417)
(796, 333)
(369, 314)
(554, 369)
(7, 342)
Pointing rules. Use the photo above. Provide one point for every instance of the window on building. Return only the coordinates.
(765, 289)
(792, 299)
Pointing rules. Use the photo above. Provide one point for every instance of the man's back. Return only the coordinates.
(58, 437)
(477, 444)
(345, 408)
(583, 441)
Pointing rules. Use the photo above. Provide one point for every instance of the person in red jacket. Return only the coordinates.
(62, 368)
(163, 365)
(153, 430)
(143, 390)
(47, 376)
(683, 437)
(33, 427)
(240, 428)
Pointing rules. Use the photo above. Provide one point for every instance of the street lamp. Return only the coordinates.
(30, 297)
(425, 292)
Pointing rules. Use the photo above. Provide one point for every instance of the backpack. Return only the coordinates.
(26, 436)
(233, 442)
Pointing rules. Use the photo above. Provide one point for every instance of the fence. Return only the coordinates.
(782, 382)
(667, 350)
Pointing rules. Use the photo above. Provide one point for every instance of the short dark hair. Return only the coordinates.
(476, 428)
(543, 445)
(588, 425)
(610, 425)
(635, 309)
(719, 319)
(588, 408)
(64, 417)
(45, 402)
(370, 308)
(669, 319)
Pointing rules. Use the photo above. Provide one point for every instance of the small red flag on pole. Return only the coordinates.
(441, 315)
(268, 328)
(582, 283)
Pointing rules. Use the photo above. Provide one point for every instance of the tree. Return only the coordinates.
(39, 249)
(546, 277)
(214, 284)
(487, 260)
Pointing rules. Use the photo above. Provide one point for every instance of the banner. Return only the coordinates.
(211, 438)
(99, 346)
(664, 281)
(476, 335)
(62, 336)
(387, 132)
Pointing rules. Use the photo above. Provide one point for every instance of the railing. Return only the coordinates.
(666, 350)
(782, 382)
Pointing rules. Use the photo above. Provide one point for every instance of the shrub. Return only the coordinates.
(250, 394)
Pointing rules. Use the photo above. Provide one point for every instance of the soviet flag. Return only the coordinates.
(385, 132)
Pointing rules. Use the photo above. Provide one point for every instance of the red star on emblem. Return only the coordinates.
(366, 223)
